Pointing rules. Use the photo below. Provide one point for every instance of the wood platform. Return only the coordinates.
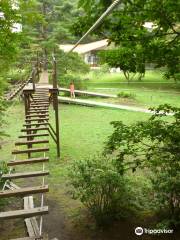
(87, 93)
(90, 103)
(24, 213)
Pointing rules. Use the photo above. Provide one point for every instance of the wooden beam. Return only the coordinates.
(25, 175)
(37, 111)
(31, 142)
(27, 161)
(29, 238)
(36, 119)
(24, 213)
(34, 129)
(24, 191)
(31, 150)
(39, 104)
(37, 115)
(35, 135)
(35, 124)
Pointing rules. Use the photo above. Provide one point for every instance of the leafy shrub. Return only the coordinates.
(126, 95)
(16, 76)
(154, 145)
(3, 169)
(77, 80)
(70, 63)
(101, 188)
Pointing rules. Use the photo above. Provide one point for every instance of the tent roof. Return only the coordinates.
(84, 48)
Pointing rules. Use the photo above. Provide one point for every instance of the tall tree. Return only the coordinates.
(50, 26)
(126, 27)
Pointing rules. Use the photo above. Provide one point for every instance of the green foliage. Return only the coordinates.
(70, 63)
(128, 60)
(126, 95)
(125, 27)
(66, 79)
(3, 170)
(99, 187)
(69, 66)
(153, 145)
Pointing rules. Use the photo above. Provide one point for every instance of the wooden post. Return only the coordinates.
(33, 78)
(55, 105)
(37, 66)
(27, 107)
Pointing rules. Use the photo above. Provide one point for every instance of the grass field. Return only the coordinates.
(152, 91)
(83, 132)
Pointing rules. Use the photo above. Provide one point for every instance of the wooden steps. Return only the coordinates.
(31, 142)
(35, 124)
(30, 238)
(27, 213)
(31, 150)
(39, 105)
(25, 175)
(24, 191)
(37, 115)
(36, 108)
(35, 135)
(27, 161)
(34, 129)
(38, 111)
(36, 119)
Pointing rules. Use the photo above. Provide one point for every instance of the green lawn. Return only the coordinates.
(153, 90)
(83, 132)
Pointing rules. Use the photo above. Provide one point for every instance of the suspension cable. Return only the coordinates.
(99, 21)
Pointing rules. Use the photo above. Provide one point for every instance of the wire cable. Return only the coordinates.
(99, 21)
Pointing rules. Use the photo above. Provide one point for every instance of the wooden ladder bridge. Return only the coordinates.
(34, 144)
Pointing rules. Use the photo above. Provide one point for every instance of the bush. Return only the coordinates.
(152, 145)
(3, 169)
(101, 188)
(77, 80)
(126, 95)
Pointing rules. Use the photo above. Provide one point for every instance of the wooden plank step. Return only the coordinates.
(31, 142)
(27, 161)
(30, 150)
(29, 238)
(35, 124)
(38, 111)
(25, 175)
(35, 135)
(24, 191)
(37, 115)
(41, 98)
(38, 108)
(41, 95)
(36, 119)
(33, 129)
(27, 213)
(40, 104)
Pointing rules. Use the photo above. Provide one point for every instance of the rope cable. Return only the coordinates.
(99, 21)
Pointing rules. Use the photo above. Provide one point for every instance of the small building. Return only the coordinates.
(88, 51)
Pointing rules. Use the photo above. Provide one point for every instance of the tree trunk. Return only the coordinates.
(126, 74)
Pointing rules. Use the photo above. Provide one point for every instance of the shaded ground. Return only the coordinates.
(79, 226)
